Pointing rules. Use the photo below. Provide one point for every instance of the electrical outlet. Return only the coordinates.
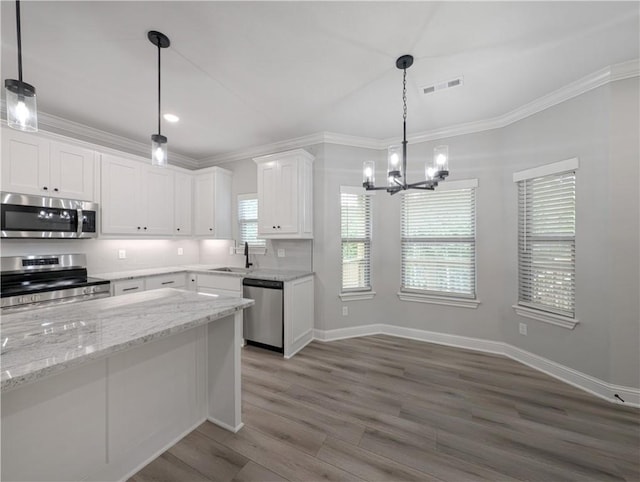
(122, 254)
(523, 328)
(180, 251)
(345, 311)
(232, 250)
(280, 253)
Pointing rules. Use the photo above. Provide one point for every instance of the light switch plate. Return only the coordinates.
(122, 254)
(523, 328)
(280, 253)
(345, 311)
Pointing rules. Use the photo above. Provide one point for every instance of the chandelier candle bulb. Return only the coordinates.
(441, 160)
(368, 173)
(394, 164)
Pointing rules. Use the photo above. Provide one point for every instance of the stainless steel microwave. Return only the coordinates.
(25, 216)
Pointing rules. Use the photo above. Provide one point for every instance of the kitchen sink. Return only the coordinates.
(231, 270)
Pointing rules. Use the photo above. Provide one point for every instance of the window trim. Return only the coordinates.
(439, 298)
(355, 294)
(522, 308)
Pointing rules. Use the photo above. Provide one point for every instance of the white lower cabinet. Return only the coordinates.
(173, 280)
(124, 287)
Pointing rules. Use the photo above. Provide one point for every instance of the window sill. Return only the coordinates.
(439, 300)
(357, 295)
(558, 320)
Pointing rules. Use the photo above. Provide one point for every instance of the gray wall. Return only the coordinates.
(601, 129)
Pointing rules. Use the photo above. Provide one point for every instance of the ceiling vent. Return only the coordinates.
(447, 84)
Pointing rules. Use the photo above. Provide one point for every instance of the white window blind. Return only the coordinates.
(546, 243)
(248, 220)
(438, 242)
(355, 216)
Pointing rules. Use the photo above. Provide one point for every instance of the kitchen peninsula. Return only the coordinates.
(93, 390)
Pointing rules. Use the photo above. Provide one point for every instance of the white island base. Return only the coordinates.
(107, 418)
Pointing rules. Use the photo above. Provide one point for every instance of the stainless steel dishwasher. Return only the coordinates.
(264, 321)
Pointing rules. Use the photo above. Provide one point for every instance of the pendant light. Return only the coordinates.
(158, 141)
(434, 171)
(22, 113)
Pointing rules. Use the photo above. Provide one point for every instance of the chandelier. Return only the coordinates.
(434, 171)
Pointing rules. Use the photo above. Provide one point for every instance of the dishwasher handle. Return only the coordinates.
(263, 283)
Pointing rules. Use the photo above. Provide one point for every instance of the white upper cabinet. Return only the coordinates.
(212, 203)
(158, 201)
(285, 195)
(121, 195)
(183, 191)
(136, 198)
(33, 164)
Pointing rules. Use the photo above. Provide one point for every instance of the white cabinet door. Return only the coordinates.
(287, 205)
(212, 204)
(157, 201)
(25, 163)
(121, 196)
(175, 280)
(124, 287)
(183, 192)
(72, 171)
(268, 187)
(204, 208)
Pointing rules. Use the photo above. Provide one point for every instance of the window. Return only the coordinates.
(438, 241)
(547, 243)
(355, 217)
(248, 220)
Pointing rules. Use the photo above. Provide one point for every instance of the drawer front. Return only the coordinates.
(128, 286)
(220, 282)
(177, 280)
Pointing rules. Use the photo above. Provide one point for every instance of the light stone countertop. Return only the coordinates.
(44, 341)
(271, 274)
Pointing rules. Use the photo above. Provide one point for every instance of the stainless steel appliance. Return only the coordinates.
(37, 281)
(24, 216)
(264, 321)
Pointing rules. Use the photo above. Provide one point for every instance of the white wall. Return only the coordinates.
(601, 129)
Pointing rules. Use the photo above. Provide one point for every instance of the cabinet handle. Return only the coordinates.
(167, 282)
(45, 188)
(210, 229)
(55, 189)
(131, 289)
(273, 227)
(278, 227)
(178, 229)
(145, 228)
(138, 227)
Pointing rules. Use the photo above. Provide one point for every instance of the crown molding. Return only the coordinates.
(64, 127)
(613, 73)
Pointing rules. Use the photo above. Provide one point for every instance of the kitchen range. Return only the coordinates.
(38, 281)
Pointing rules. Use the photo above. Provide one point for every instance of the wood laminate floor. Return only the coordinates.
(381, 408)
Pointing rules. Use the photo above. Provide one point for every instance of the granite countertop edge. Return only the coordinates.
(46, 371)
(272, 274)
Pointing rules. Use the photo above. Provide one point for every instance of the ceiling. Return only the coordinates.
(244, 74)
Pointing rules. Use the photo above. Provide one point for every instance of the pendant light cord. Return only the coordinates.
(19, 32)
(404, 125)
(159, 99)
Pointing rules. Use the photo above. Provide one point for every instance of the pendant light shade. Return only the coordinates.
(22, 113)
(159, 154)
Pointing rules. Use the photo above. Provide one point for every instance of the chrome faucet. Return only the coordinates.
(246, 255)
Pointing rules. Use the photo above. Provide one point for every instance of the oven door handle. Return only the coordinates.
(79, 230)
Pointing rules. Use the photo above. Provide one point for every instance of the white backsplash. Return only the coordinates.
(297, 254)
(102, 254)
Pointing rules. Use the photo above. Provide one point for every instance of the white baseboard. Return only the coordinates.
(225, 425)
(592, 385)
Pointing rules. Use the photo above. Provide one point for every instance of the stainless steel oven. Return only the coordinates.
(25, 216)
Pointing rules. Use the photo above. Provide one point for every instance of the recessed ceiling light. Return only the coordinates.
(171, 118)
